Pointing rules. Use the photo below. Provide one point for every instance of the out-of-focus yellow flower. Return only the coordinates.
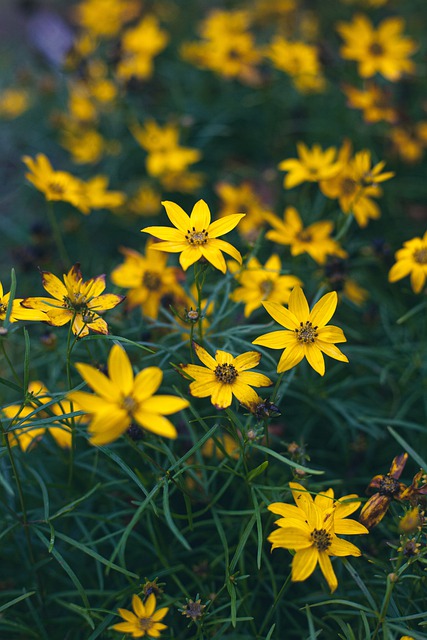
(263, 283)
(98, 196)
(410, 141)
(374, 101)
(300, 61)
(75, 301)
(105, 18)
(26, 436)
(243, 198)
(139, 46)
(195, 237)
(307, 333)
(145, 202)
(86, 146)
(13, 102)
(311, 165)
(147, 278)
(144, 619)
(411, 260)
(384, 50)
(315, 239)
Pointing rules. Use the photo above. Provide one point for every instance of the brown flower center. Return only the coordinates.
(304, 236)
(129, 404)
(145, 624)
(151, 280)
(56, 188)
(197, 237)
(322, 540)
(376, 49)
(266, 287)
(348, 186)
(226, 373)
(420, 256)
(306, 332)
(388, 486)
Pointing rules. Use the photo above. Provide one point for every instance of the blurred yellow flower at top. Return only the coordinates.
(311, 165)
(315, 239)
(310, 529)
(384, 50)
(307, 333)
(26, 435)
(144, 619)
(225, 376)
(195, 237)
(300, 61)
(18, 312)
(121, 399)
(411, 260)
(105, 18)
(147, 278)
(75, 301)
(260, 283)
(13, 102)
(139, 45)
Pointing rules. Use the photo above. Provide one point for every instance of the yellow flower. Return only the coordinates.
(13, 102)
(260, 283)
(225, 376)
(315, 239)
(307, 335)
(411, 260)
(384, 50)
(311, 165)
(410, 141)
(300, 61)
(374, 101)
(121, 399)
(244, 199)
(143, 620)
(105, 18)
(18, 311)
(56, 185)
(98, 196)
(310, 530)
(147, 278)
(26, 436)
(75, 301)
(145, 202)
(195, 236)
(86, 146)
(139, 45)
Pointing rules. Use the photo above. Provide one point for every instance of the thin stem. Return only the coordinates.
(15, 375)
(70, 347)
(57, 236)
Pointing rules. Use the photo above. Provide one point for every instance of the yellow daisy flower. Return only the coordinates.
(225, 376)
(310, 530)
(195, 236)
(374, 101)
(260, 283)
(144, 619)
(315, 239)
(411, 260)
(75, 301)
(384, 50)
(311, 165)
(139, 45)
(307, 335)
(122, 398)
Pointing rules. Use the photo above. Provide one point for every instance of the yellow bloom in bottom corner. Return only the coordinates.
(310, 530)
(122, 398)
(225, 376)
(144, 620)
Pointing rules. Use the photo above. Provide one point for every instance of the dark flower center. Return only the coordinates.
(322, 540)
(145, 624)
(56, 188)
(266, 287)
(151, 280)
(304, 236)
(388, 486)
(226, 373)
(348, 186)
(376, 49)
(420, 256)
(306, 332)
(197, 237)
(129, 404)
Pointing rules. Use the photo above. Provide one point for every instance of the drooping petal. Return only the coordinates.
(99, 382)
(224, 225)
(290, 358)
(120, 369)
(226, 247)
(315, 358)
(214, 256)
(304, 563)
(155, 423)
(222, 396)
(327, 570)
(340, 547)
(324, 309)
(189, 256)
(177, 216)
(282, 315)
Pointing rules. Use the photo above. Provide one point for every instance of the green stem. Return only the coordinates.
(15, 375)
(70, 347)
(57, 236)
(389, 591)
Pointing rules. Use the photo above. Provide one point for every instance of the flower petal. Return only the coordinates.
(164, 404)
(120, 369)
(276, 339)
(291, 538)
(290, 358)
(247, 360)
(214, 256)
(282, 315)
(54, 286)
(189, 256)
(99, 382)
(222, 396)
(177, 216)
(315, 358)
(108, 426)
(139, 607)
(324, 309)
(304, 563)
(165, 233)
(155, 423)
(327, 570)
(340, 547)
(224, 225)
(228, 248)
(298, 305)
(200, 217)
(146, 383)
(205, 357)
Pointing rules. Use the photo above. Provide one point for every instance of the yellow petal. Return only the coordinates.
(331, 334)
(298, 305)
(205, 357)
(159, 615)
(120, 369)
(223, 357)
(127, 615)
(244, 394)
(165, 233)
(331, 350)
(165, 405)
(247, 360)
(349, 527)
(147, 382)
(214, 256)
(290, 358)
(54, 286)
(150, 605)
(292, 537)
(286, 510)
(189, 256)
(139, 607)
(228, 248)
(177, 216)
(106, 427)
(304, 563)
(224, 225)
(276, 339)
(341, 547)
(327, 570)
(156, 424)
(315, 358)
(222, 396)
(200, 217)
(254, 379)
(282, 315)
(324, 309)
(105, 302)
(99, 382)
(88, 402)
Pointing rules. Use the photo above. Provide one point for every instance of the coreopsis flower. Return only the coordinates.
(224, 376)
(411, 260)
(410, 141)
(307, 334)
(311, 165)
(165, 154)
(195, 237)
(147, 278)
(263, 283)
(75, 301)
(143, 620)
(56, 185)
(310, 529)
(139, 45)
(122, 399)
(145, 202)
(13, 102)
(242, 198)
(26, 434)
(388, 487)
(98, 196)
(374, 102)
(18, 312)
(315, 239)
(300, 61)
(384, 50)
(114, 13)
